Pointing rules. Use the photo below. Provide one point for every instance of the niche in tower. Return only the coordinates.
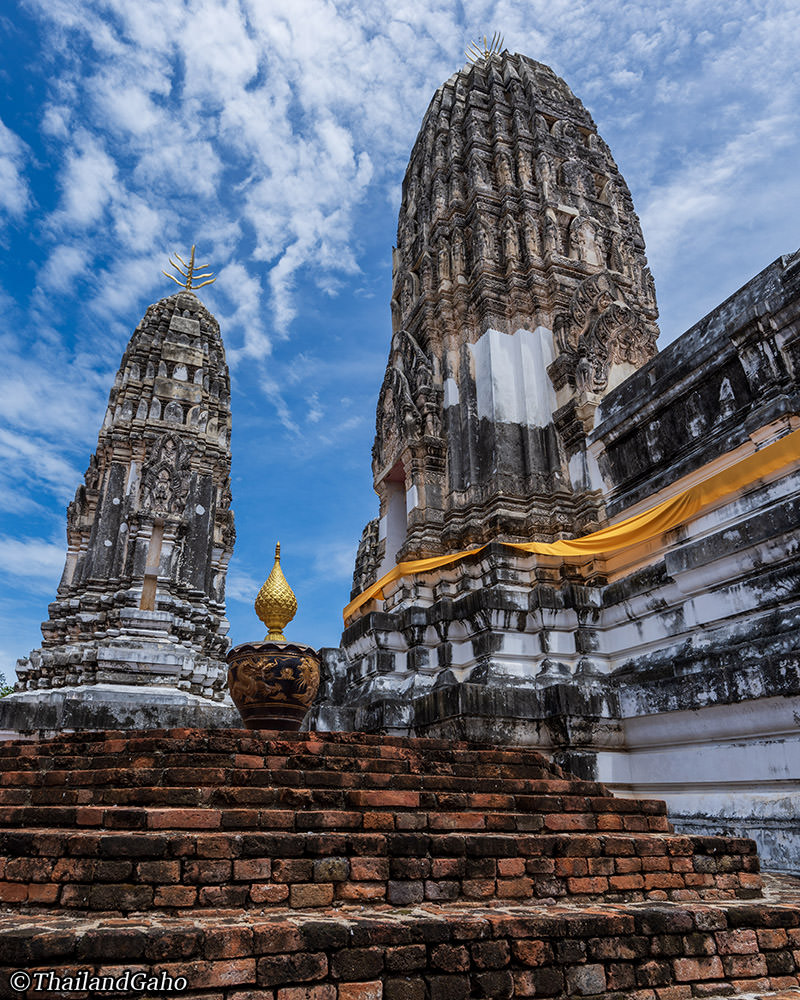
(394, 521)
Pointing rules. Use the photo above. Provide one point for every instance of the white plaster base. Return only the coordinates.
(732, 769)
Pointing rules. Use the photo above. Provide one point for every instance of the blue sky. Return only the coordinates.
(274, 134)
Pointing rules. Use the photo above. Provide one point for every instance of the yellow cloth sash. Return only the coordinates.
(639, 528)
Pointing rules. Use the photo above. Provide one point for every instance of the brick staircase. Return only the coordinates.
(343, 866)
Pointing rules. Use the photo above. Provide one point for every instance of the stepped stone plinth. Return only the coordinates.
(331, 866)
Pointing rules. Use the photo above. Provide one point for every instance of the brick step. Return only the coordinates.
(358, 817)
(133, 776)
(668, 951)
(325, 798)
(243, 768)
(57, 842)
(342, 746)
(463, 766)
(245, 740)
(14, 782)
(209, 793)
(385, 810)
(300, 763)
(100, 870)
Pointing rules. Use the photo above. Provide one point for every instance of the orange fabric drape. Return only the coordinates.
(639, 528)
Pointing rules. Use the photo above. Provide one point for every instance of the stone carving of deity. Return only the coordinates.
(510, 241)
(165, 481)
(696, 418)
(584, 375)
(648, 284)
(625, 258)
(532, 239)
(459, 263)
(524, 169)
(486, 246)
(162, 492)
(504, 171)
(609, 195)
(406, 232)
(546, 174)
(727, 400)
(480, 173)
(577, 178)
(552, 233)
(444, 261)
(653, 438)
(440, 196)
(568, 131)
(583, 241)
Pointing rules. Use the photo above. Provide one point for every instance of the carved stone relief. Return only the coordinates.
(601, 329)
(165, 482)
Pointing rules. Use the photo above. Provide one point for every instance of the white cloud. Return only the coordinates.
(707, 191)
(243, 291)
(51, 405)
(36, 463)
(272, 391)
(335, 560)
(315, 412)
(242, 586)
(64, 265)
(14, 190)
(88, 182)
(33, 559)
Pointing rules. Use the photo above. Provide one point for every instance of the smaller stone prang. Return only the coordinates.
(150, 532)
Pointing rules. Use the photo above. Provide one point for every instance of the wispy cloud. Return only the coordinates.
(14, 189)
(29, 465)
(706, 191)
(39, 562)
(335, 559)
(88, 180)
(242, 586)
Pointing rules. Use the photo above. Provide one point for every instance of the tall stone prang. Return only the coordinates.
(521, 294)
(524, 404)
(137, 632)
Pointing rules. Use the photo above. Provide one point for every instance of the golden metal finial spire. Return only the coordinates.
(475, 53)
(276, 604)
(187, 272)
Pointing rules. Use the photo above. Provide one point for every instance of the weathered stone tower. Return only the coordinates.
(521, 294)
(137, 633)
(524, 405)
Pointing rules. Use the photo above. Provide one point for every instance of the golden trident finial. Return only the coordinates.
(474, 53)
(187, 272)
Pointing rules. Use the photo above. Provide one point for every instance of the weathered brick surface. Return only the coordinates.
(343, 867)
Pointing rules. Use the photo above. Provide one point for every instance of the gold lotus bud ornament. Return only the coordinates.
(276, 604)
